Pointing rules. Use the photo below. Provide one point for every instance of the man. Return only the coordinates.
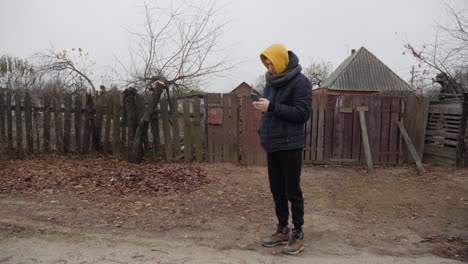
(286, 107)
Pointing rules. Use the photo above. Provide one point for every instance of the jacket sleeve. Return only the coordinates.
(299, 111)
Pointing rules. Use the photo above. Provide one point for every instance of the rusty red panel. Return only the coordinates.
(215, 115)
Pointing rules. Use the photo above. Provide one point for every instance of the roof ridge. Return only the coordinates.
(341, 68)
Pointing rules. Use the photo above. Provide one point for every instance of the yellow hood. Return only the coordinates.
(278, 55)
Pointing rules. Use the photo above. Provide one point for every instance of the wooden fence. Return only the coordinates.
(80, 123)
(214, 128)
(445, 138)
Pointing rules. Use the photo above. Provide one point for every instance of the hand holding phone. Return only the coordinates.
(254, 96)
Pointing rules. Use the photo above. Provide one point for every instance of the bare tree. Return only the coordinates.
(73, 67)
(174, 51)
(447, 57)
(317, 72)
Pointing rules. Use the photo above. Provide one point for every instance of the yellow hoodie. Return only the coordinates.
(278, 55)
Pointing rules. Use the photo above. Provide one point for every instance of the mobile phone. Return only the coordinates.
(254, 96)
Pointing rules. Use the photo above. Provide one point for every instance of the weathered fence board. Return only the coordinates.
(166, 130)
(19, 123)
(67, 124)
(175, 126)
(28, 123)
(116, 126)
(187, 134)
(197, 138)
(3, 138)
(78, 122)
(46, 123)
(9, 119)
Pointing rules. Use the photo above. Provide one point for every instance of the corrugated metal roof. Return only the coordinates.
(363, 71)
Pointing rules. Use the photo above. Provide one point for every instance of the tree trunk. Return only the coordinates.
(135, 154)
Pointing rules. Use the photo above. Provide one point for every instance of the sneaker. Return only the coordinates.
(280, 237)
(295, 244)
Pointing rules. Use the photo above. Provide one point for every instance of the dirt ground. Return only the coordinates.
(351, 216)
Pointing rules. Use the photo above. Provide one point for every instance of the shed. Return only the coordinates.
(244, 90)
(363, 73)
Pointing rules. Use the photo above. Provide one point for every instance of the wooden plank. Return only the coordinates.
(393, 136)
(154, 122)
(441, 151)
(374, 126)
(101, 108)
(444, 109)
(78, 122)
(321, 127)
(197, 139)
(385, 129)
(46, 123)
(166, 131)
(243, 141)
(28, 123)
(314, 128)
(132, 118)
(58, 123)
(436, 160)
(442, 133)
(187, 132)
(175, 126)
(124, 125)
(411, 148)
(9, 116)
(307, 152)
(365, 142)
(3, 125)
(328, 129)
(67, 123)
(338, 129)
(117, 146)
(218, 138)
(461, 159)
(356, 146)
(348, 128)
(234, 133)
(88, 124)
(211, 98)
(226, 127)
(141, 108)
(19, 123)
(107, 105)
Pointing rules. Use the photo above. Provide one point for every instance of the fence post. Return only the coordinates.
(131, 118)
(46, 123)
(28, 121)
(175, 126)
(155, 131)
(116, 123)
(58, 123)
(78, 121)
(187, 134)
(9, 119)
(167, 133)
(2, 117)
(461, 146)
(107, 100)
(19, 124)
(67, 123)
(197, 130)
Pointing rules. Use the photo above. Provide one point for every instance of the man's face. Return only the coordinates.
(271, 67)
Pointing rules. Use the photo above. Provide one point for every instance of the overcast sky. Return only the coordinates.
(313, 29)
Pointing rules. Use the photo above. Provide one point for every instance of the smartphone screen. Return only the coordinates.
(254, 96)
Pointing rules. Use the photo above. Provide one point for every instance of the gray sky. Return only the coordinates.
(313, 29)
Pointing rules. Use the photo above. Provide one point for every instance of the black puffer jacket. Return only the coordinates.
(282, 126)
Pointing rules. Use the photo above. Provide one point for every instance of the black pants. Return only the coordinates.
(284, 173)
